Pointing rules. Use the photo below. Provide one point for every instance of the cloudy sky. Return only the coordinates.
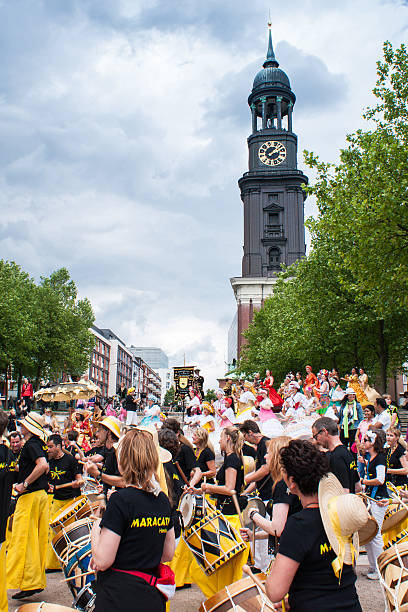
(123, 127)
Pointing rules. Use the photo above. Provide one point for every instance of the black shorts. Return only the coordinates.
(118, 592)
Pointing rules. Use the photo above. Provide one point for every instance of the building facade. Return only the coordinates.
(167, 380)
(271, 193)
(100, 361)
(120, 366)
(155, 357)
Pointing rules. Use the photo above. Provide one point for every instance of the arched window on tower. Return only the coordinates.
(274, 258)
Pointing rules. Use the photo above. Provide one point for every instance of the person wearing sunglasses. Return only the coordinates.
(342, 463)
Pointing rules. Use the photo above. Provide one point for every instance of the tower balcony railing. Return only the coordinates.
(274, 231)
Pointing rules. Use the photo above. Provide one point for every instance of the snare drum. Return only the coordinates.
(192, 509)
(71, 539)
(91, 488)
(240, 595)
(213, 541)
(86, 598)
(258, 504)
(70, 513)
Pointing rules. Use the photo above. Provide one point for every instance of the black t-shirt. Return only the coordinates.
(72, 449)
(111, 468)
(393, 462)
(175, 489)
(62, 471)
(186, 459)
(280, 495)
(343, 466)
(264, 485)
(6, 483)
(249, 450)
(225, 502)
(142, 520)
(379, 492)
(99, 450)
(315, 586)
(205, 455)
(33, 449)
(130, 405)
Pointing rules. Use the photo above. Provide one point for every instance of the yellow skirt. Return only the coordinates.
(227, 574)
(181, 564)
(51, 561)
(3, 590)
(28, 546)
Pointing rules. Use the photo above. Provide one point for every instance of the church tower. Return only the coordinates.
(272, 195)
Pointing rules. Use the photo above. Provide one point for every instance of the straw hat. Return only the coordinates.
(112, 424)
(35, 425)
(343, 516)
(164, 454)
(208, 406)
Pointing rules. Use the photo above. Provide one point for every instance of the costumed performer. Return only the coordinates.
(6, 483)
(208, 422)
(370, 393)
(269, 423)
(274, 396)
(151, 413)
(354, 383)
(131, 405)
(230, 478)
(226, 414)
(336, 394)
(29, 537)
(136, 534)
(64, 469)
(324, 390)
(311, 379)
(307, 549)
(350, 416)
(246, 403)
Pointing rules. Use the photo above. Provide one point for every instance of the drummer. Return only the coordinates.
(205, 458)
(185, 459)
(103, 464)
(303, 567)
(284, 504)
(64, 470)
(29, 539)
(136, 534)
(260, 479)
(397, 470)
(6, 481)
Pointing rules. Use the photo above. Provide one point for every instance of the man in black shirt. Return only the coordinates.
(342, 464)
(103, 464)
(260, 479)
(64, 470)
(6, 483)
(28, 546)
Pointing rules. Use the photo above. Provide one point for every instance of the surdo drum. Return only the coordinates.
(70, 513)
(42, 607)
(393, 568)
(193, 508)
(242, 595)
(213, 541)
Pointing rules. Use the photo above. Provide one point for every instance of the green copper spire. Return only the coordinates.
(271, 60)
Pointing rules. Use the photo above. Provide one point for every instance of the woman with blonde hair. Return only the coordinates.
(205, 457)
(136, 535)
(284, 504)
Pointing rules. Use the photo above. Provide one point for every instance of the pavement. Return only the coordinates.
(189, 600)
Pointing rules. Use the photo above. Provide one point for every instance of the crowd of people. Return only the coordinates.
(282, 446)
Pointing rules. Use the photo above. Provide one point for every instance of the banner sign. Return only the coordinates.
(183, 379)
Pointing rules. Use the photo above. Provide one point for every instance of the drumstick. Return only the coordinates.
(67, 484)
(237, 508)
(80, 575)
(247, 570)
(253, 541)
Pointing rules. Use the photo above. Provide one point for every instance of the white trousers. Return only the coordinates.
(131, 417)
(375, 547)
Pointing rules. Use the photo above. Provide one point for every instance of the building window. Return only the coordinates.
(274, 257)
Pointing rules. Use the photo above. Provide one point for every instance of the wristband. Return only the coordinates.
(25, 484)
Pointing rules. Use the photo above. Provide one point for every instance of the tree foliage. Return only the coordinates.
(44, 327)
(346, 303)
(169, 398)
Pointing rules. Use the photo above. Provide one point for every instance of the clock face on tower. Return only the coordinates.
(272, 153)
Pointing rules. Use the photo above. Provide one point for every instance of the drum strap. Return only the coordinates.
(182, 474)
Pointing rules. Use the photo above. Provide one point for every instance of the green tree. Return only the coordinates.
(169, 398)
(63, 342)
(210, 395)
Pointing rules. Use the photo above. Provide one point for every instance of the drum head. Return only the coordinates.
(258, 504)
(241, 595)
(393, 518)
(43, 607)
(86, 598)
(186, 508)
(67, 511)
